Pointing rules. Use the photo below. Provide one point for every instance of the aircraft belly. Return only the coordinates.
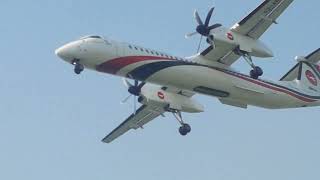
(205, 80)
(190, 77)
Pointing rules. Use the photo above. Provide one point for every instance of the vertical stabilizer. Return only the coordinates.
(310, 61)
(309, 76)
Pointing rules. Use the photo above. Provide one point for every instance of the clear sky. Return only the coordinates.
(52, 121)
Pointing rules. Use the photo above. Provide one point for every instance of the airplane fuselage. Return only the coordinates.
(217, 80)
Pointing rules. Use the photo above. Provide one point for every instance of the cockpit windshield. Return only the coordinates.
(92, 36)
(98, 38)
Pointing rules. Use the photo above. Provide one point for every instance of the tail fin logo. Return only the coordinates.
(312, 78)
(160, 95)
(318, 67)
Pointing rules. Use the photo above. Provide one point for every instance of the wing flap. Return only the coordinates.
(143, 115)
(234, 103)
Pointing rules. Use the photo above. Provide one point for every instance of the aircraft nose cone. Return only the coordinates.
(68, 52)
(61, 52)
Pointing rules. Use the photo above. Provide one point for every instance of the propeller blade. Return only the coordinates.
(197, 17)
(126, 83)
(215, 26)
(141, 85)
(126, 99)
(209, 17)
(187, 36)
(199, 44)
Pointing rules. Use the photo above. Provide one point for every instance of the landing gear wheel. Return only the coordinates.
(256, 72)
(253, 75)
(78, 68)
(185, 129)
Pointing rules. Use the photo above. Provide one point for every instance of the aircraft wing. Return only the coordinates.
(253, 25)
(143, 115)
(259, 20)
(221, 54)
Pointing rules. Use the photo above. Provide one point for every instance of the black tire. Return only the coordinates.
(77, 71)
(187, 127)
(258, 71)
(78, 68)
(253, 74)
(182, 131)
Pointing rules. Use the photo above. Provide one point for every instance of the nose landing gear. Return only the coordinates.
(78, 68)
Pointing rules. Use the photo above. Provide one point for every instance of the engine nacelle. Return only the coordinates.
(256, 48)
(155, 95)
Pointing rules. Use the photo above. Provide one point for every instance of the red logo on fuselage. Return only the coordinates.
(160, 95)
(230, 36)
(312, 78)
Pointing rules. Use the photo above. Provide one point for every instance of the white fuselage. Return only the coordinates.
(151, 66)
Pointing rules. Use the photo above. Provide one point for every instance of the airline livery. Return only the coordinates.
(167, 83)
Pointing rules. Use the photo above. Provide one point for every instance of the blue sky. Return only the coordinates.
(52, 121)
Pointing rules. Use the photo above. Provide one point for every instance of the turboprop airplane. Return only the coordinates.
(208, 72)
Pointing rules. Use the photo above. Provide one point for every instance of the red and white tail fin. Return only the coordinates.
(307, 70)
(309, 76)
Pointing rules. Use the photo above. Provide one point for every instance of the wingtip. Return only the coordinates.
(105, 141)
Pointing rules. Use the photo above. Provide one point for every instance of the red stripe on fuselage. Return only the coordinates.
(260, 83)
(114, 65)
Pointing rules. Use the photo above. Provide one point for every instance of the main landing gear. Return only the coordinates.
(78, 68)
(184, 128)
(256, 71)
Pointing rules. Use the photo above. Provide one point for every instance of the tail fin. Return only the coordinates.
(307, 71)
(309, 75)
(309, 62)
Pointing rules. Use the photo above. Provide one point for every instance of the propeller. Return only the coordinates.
(134, 90)
(203, 28)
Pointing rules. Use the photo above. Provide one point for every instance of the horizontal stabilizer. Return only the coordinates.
(314, 57)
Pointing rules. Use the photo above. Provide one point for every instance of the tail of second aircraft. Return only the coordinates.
(306, 72)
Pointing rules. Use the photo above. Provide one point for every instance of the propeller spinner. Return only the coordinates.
(134, 90)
